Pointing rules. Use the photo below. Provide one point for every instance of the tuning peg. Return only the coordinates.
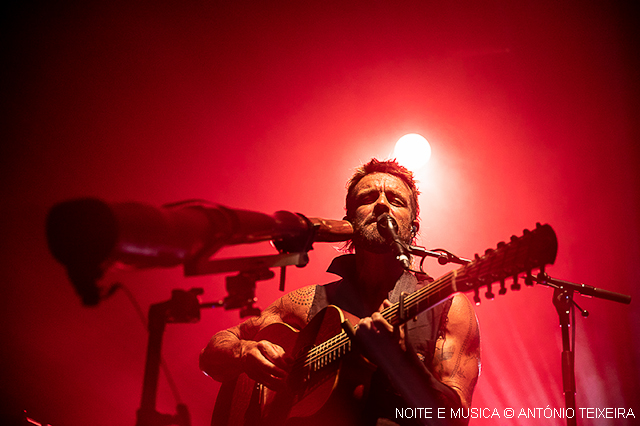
(515, 286)
(525, 231)
(529, 279)
(488, 251)
(513, 238)
(501, 244)
(489, 294)
(503, 287)
(476, 297)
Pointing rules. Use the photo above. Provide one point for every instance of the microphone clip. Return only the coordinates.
(388, 229)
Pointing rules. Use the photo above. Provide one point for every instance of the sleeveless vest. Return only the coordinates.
(421, 332)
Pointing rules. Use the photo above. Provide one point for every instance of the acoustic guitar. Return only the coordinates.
(326, 371)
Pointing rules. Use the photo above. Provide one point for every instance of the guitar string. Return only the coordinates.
(338, 341)
(413, 299)
(322, 350)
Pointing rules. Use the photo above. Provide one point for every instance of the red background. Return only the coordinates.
(531, 110)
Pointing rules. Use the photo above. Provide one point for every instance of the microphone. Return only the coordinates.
(88, 235)
(388, 228)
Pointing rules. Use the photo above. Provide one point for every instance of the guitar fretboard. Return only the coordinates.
(333, 349)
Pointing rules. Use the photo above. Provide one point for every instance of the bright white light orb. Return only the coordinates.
(412, 151)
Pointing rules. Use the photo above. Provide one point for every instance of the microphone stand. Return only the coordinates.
(443, 256)
(183, 307)
(564, 304)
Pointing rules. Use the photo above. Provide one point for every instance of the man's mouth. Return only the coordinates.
(374, 219)
(371, 221)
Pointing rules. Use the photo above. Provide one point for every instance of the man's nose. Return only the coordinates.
(382, 206)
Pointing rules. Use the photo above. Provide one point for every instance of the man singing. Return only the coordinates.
(441, 345)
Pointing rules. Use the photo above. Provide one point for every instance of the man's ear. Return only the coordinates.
(415, 226)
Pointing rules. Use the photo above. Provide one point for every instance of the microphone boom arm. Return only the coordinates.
(88, 235)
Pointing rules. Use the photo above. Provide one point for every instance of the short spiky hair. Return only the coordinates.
(391, 167)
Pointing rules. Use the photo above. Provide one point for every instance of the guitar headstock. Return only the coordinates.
(533, 250)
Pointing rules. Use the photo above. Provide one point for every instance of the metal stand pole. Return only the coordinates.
(183, 307)
(562, 300)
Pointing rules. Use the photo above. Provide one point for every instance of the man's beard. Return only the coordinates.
(366, 237)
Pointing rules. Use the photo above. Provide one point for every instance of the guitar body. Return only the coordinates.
(313, 396)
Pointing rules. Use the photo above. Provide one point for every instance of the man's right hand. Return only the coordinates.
(265, 362)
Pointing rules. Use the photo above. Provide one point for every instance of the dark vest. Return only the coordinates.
(422, 332)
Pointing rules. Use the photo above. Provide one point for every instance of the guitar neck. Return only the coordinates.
(413, 304)
(421, 300)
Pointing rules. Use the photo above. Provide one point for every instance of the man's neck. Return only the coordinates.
(376, 275)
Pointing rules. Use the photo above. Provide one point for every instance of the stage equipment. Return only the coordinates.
(89, 235)
(564, 304)
(183, 307)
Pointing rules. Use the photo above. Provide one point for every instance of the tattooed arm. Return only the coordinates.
(232, 351)
(456, 361)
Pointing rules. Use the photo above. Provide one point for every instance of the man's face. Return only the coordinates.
(375, 194)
